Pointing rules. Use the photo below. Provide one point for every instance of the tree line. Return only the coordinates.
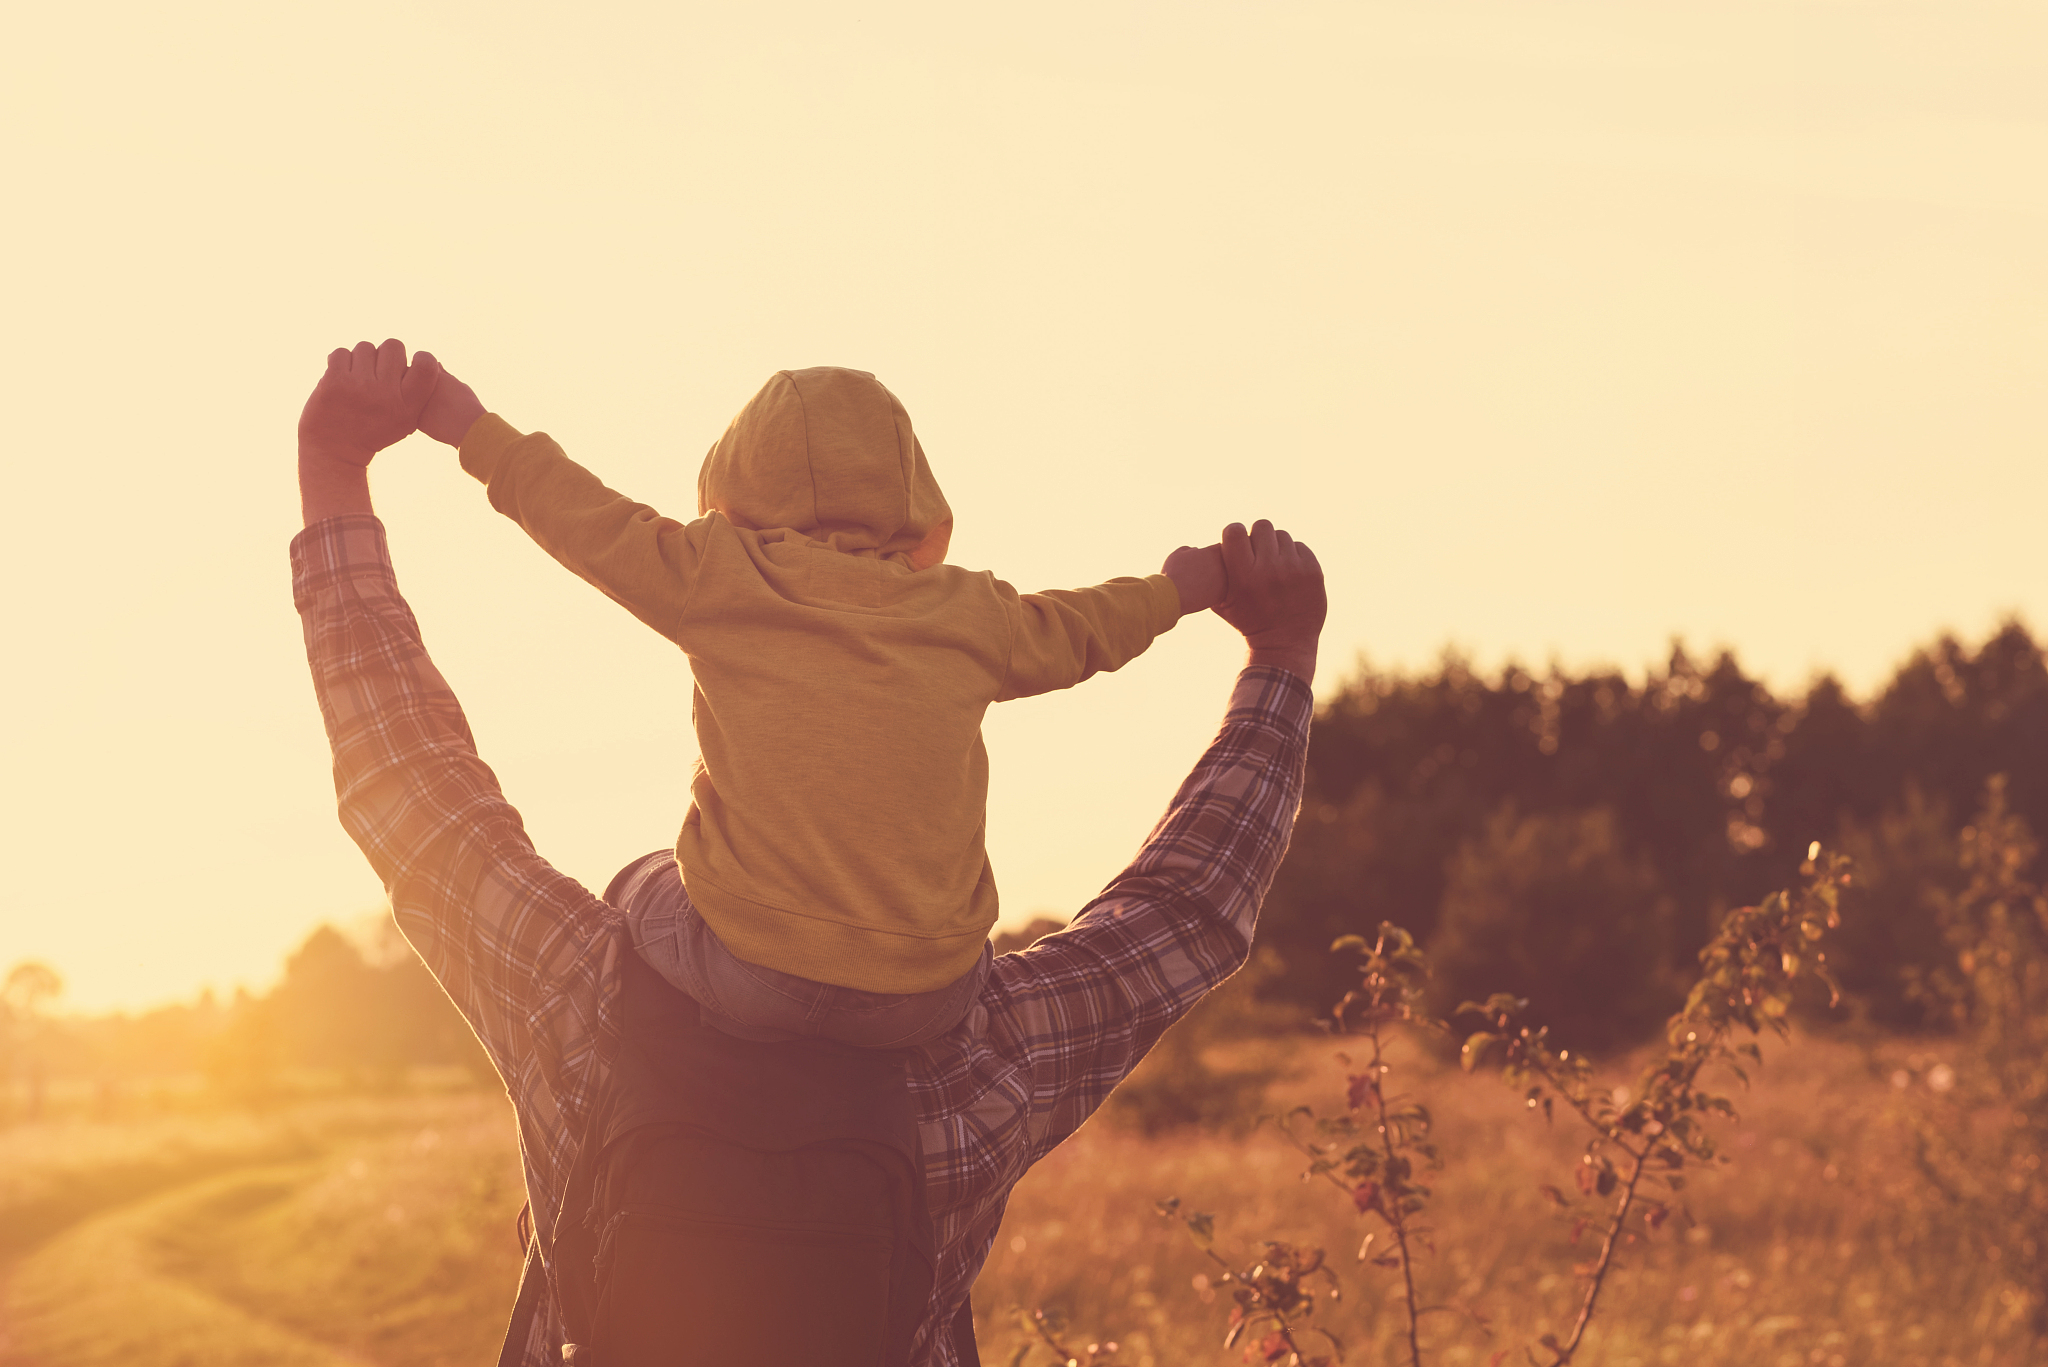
(346, 1013)
(1576, 838)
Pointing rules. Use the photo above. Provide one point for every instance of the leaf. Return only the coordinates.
(1557, 1198)
(1344, 942)
(1202, 1226)
(1476, 1047)
(1360, 1088)
(1366, 1196)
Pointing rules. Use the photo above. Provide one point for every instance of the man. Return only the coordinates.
(533, 960)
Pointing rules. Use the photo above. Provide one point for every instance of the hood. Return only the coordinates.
(829, 454)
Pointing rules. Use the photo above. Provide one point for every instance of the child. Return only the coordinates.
(832, 855)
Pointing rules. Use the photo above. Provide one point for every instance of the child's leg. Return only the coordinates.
(759, 1003)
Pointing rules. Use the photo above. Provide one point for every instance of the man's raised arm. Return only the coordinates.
(523, 950)
(1079, 1009)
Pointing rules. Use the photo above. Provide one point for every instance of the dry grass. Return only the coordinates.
(1817, 1245)
(389, 1240)
(380, 1232)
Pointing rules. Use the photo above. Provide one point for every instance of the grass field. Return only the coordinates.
(379, 1231)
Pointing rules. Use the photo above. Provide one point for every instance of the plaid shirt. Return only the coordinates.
(532, 959)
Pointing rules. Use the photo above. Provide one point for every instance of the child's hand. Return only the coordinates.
(1197, 571)
(368, 399)
(452, 409)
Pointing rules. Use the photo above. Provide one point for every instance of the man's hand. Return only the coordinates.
(1197, 571)
(368, 399)
(1276, 596)
(452, 409)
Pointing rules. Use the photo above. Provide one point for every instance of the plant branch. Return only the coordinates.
(1605, 1262)
(1396, 1218)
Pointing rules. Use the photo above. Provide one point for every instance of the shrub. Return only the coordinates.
(1645, 1142)
(1981, 1126)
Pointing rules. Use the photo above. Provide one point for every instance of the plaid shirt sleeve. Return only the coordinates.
(1068, 1019)
(527, 954)
(1082, 1007)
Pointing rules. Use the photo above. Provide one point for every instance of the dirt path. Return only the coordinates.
(100, 1295)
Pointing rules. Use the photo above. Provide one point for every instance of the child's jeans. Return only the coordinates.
(759, 1003)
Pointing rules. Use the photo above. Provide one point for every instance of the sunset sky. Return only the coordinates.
(1558, 330)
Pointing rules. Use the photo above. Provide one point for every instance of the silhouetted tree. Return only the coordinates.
(1712, 781)
(23, 1032)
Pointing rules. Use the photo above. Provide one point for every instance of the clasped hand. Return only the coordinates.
(370, 397)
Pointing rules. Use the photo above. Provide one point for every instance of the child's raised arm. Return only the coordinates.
(642, 560)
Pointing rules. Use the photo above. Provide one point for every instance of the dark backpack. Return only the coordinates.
(743, 1204)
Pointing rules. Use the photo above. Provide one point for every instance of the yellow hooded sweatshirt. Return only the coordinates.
(842, 670)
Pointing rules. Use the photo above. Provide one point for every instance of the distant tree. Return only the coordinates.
(337, 1009)
(1553, 908)
(1402, 772)
(1907, 867)
(1950, 719)
(28, 985)
(325, 1010)
(1713, 781)
(244, 1058)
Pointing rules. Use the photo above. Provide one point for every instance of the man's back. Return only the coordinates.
(762, 1202)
